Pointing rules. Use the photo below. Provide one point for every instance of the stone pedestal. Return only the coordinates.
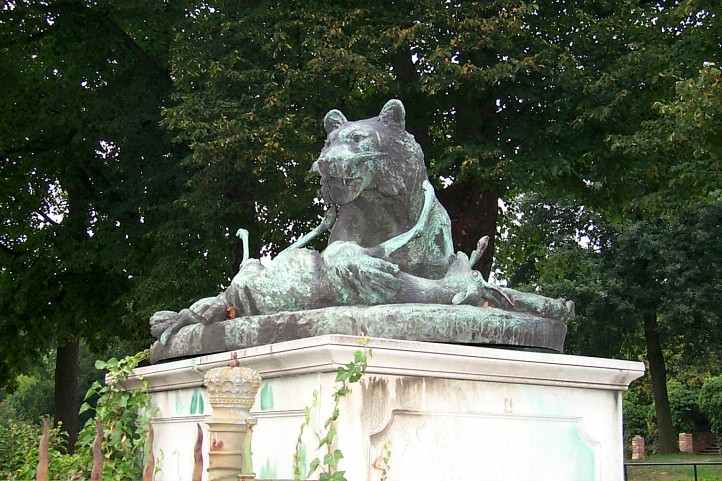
(686, 443)
(638, 448)
(436, 411)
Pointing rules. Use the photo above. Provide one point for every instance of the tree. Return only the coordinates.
(645, 287)
(639, 126)
(673, 161)
(670, 273)
(560, 249)
(83, 162)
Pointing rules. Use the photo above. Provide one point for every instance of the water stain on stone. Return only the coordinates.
(266, 397)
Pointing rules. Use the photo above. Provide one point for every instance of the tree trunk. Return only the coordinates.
(666, 437)
(473, 214)
(67, 373)
(472, 203)
(420, 117)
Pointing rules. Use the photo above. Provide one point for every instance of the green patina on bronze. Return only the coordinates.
(389, 245)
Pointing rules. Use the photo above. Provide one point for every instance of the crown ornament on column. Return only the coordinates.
(232, 386)
(231, 392)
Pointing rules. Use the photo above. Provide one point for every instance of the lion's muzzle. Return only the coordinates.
(345, 175)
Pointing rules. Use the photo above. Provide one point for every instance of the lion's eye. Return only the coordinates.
(357, 137)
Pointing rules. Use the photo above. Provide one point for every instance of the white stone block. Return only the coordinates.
(449, 412)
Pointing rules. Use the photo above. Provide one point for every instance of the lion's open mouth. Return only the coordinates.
(344, 180)
(342, 190)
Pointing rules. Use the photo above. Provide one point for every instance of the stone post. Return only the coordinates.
(686, 443)
(231, 392)
(638, 448)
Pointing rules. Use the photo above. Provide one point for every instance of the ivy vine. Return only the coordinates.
(328, 464)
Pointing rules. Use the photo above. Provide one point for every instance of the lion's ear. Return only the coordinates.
(333, 120)
(394, 113)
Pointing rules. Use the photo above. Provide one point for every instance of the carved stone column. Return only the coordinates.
(231, 392)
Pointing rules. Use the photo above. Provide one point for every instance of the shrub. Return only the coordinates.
(710, 403)
(19, 452)
(125, 417)
(638, 415)
(33, 397)
(684, 404)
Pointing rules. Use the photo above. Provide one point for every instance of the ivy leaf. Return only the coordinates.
(313, 467)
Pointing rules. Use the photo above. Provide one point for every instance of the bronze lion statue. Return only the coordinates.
(389, 240)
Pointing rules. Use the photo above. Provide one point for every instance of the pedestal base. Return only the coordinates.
(443, 412)
(411, 322)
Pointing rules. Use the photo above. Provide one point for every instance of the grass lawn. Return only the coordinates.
(675, 473)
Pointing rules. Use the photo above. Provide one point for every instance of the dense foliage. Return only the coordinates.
(19, 451)
(687, 416)
(638, 415)
(710, 403)
(85, 172)
(124, 415)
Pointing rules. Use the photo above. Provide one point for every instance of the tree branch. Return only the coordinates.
(45, 216)
(134, 47)
(37, 147)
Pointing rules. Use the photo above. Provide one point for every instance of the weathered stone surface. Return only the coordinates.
(444, 412)
(459, 324)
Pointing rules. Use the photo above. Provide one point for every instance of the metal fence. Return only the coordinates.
(692, 466)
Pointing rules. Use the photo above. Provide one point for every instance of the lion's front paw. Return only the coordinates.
(184, 318)
(365, 279)
(162, 320)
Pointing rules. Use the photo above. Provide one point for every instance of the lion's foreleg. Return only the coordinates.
(395, 243)
(325, 225)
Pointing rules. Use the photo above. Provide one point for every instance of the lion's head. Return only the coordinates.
(371, 155)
